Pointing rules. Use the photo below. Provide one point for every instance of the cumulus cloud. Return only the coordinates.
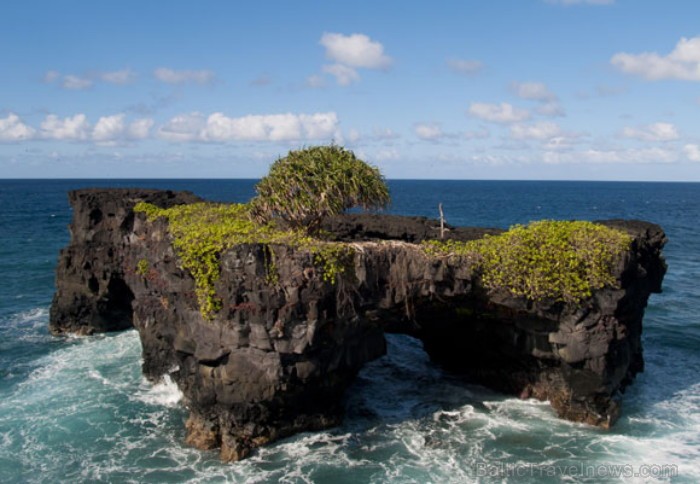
(682, 63)
(13, 129)
(108, 128)
(274, 127)
(355, 50)
(652, 132)
(551, 135)
(271, 127)
(171, 76)
(464, 66)
(343, 74)
(183, 127)
(139, 129)
(498, 113)
(539, 92)
(692, 152)
(70, 128)
(350, 53)
(428, 131)
(113, 129)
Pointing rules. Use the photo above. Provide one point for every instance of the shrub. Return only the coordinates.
(310, 184)
(561, 260)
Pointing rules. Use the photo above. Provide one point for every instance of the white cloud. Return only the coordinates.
(76, 83)
(387, 154)
(498, 113)
(350, 53)
(124, 76)
(272, 127)
(71, 128)
(385, 135)
(536, 91)
(108, 128)
(171, 76)
(107, 131)
(682, 63)
(183, 127)
(580, 2)
(113, 129)
(13, 129)
(465, 66)
(428, 131)
(79, 83)
(139, 129)
(537, 131)
(356, 50)
(652, 132)
(550, 134)
(622, 156)
(343, 74)
(692, 152)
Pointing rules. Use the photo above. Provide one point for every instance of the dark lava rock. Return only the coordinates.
(278, 357)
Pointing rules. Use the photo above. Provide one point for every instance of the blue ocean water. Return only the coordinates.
(78, 409)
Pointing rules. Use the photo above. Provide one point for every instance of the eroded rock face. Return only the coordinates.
(278, 357)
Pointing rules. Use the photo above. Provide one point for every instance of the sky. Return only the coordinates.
(498, 89)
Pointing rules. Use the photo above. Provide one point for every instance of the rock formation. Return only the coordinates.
(278, 357)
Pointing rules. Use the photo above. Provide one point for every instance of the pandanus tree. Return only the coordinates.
(313, 183)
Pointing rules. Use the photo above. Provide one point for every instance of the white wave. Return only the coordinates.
(165, 393)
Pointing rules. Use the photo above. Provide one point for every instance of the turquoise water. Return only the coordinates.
(78, 410)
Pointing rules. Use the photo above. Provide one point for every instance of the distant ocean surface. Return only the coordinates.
(78, 409)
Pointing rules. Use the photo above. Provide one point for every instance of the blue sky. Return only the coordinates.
(519, 89)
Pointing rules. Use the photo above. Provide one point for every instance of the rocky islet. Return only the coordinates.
(278, 356)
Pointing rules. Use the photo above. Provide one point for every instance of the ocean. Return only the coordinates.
(76, 409)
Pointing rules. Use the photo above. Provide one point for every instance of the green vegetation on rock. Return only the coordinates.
(142, 267)
(310, 184)
(202, 231)
(560, 260)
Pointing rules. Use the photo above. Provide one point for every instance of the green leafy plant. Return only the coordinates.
(202, 231)
(142, 267)
(310, 184)
(561, 260)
